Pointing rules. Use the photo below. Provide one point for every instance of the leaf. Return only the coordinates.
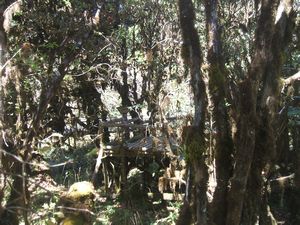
(67, 3)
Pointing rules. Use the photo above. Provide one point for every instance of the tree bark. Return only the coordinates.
(194, 140)
(246, 132)
(3, 47)
(217, 89)
(3, 58)
(266, 150)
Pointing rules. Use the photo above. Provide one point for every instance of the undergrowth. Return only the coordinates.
(106, 210)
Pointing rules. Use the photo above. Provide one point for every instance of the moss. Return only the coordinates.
(92, 153)
(195, 145)
(74, 220)
(80, 190)
(282, 57)
(79, 196)
(195, 150)
(216, 78)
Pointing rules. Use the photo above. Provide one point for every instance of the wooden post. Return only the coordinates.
(105, 176)
(99, 158)
(124, 111)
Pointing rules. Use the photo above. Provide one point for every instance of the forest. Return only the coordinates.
(153, 112)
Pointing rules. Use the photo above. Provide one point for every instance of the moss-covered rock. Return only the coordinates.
(77, 203)
(74, 220)
(80, 190)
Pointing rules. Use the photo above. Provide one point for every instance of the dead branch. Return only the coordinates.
(290, 80)
(19, 159)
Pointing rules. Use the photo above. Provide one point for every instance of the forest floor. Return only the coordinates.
(151, 213)
(47, 209)
(48, 190)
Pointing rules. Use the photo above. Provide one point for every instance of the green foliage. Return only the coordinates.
(67, 3)
(45, 205)
(172, 215)
(115, 213)
(52, 45)
(294, 112)
(134, 187)
(133, 50)
(82, 159)
(153, 168)
(294, 116)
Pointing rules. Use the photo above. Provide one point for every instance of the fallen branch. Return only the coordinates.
(19, 159)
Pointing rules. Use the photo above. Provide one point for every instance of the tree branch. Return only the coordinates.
(290, 80)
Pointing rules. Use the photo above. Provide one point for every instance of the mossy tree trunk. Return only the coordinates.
(240, 181)
(217, 89)
(194, 139)
(246, 130)
(266, 151)
(256, 142)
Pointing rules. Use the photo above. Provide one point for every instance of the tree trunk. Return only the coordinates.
(266, 151)
(3, 52)
(245, 147)
(3, 49)
(246, 133)
(256, 143)
(194, 138)
(217, 89)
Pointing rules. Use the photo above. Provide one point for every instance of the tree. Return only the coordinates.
(194, 135)
(58, 46)
(218, 90)
(253, 147)
(63, 56)
(67, 66)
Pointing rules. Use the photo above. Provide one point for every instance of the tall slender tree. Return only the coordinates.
(218, 87)
(194, 135)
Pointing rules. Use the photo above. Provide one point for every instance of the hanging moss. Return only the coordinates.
(216, 79)
(195, 150)
(194, 147)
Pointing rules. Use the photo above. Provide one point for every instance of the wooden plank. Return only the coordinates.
(166, 196)
(132, 153)
(173, 196)
(144, 124)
